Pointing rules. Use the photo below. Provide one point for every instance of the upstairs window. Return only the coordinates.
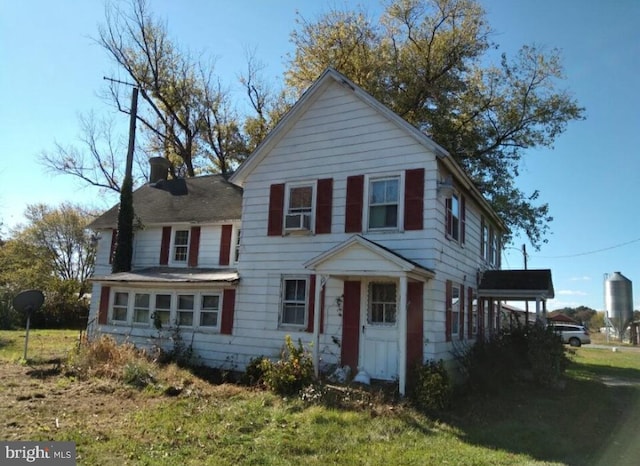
(383, 203)
(181, 245)
(299, 208)
(456, 217)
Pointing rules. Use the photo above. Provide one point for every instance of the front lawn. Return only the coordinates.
(588, 422)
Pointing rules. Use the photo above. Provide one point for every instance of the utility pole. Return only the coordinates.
(124, 240)
(526, 303)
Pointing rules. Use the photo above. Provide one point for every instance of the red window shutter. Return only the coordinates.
(415, 324)
(414, 199)
(112, 249)
(461, 313)
(324, 204)
(353, 212)
(228, 309)
(103, 310)
(194, 246)
(276, 210)
(225, 244)
(311, 299)
(470, 312)
(164, 245)
(463, 219)
(350, 325)
(448, 309)
(448, 216)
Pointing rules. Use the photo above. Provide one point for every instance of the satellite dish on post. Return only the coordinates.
(28, 302)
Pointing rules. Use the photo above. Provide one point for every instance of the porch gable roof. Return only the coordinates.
(361, 256)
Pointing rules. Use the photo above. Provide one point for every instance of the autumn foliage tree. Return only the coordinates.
(427, 60)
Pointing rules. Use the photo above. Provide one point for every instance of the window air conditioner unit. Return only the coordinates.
(298, 222)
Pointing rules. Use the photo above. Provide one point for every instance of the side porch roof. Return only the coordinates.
(524, 285)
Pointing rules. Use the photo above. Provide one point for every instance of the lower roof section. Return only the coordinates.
(525, 285)
(171, 275)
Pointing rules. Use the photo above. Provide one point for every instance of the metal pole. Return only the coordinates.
(26, 337)
(526, 303)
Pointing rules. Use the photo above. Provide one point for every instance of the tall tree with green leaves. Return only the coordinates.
(427, 60)
(65, 246)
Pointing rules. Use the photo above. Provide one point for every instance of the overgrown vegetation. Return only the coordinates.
(194, 422)
(432, 390)
(289, 374)
(534, 353)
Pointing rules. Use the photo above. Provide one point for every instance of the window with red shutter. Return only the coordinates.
(353, 211)
(414, 199)
(225, 244)
(276, 210)
(228, 309)
(448, 309)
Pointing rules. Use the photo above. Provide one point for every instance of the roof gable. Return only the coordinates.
(203, 199)
(330, 77)
(358, 255)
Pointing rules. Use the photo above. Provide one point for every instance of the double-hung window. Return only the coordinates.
(453, 217)
(162, 312)
(185, 310)
(384, 201)
(120, 306)
(382, 303)
(299, 209)
(294, 301)
(181, 245)
(141, 308)
(209, 310)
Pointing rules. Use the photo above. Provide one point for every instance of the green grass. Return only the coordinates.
(585, 422)
(44, 345)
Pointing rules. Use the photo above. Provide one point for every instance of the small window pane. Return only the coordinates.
(300, 199)
(162, 311)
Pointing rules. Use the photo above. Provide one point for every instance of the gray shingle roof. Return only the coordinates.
(172, 275)
(516, 284)
(200, 199)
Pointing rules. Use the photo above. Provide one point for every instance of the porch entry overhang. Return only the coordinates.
(171, 276)
(518, 285)
(358, 259)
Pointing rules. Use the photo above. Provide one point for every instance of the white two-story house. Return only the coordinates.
(359, 235)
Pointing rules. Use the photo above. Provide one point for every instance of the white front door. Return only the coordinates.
(379, 331)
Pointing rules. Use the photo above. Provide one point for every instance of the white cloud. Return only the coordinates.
(580, 279)
(571, 293)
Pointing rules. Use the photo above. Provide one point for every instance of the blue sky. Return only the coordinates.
(51, 71)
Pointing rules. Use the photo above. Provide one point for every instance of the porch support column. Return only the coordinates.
(402, 337)
(316, 324)
(544, 310)
(538, 308)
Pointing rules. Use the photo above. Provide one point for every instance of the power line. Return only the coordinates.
(591, 252)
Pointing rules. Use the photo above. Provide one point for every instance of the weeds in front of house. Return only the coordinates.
(532, 354)
(432, 389)
(289, 374)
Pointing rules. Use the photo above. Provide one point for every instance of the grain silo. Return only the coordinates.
(618, 296)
